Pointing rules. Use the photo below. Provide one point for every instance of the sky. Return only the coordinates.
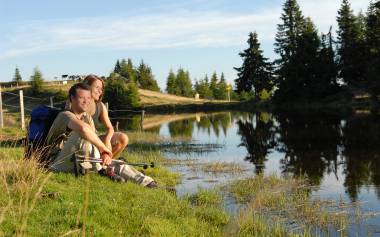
(202, 36)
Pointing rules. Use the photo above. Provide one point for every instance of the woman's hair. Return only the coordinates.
(90, 79)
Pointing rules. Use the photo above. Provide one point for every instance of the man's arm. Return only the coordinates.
(87, 133)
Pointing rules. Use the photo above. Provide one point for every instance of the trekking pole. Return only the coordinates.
(82, 158)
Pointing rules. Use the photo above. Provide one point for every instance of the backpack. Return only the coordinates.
(41, 119)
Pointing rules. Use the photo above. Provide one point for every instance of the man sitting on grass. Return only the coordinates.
(73, 131)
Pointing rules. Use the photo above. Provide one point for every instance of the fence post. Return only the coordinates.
(142, 119)
(117, 126)
(22, 110)
(1, 111)
(51, 101)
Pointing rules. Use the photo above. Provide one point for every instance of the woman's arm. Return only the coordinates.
(107, 124)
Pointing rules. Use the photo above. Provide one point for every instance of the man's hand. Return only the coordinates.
(106, 156)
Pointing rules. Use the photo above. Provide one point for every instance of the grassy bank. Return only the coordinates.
(34, 202)
(39, 203)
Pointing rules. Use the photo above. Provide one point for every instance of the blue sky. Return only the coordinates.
(82, 37)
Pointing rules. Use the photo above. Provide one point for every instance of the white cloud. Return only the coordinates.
(160, 30)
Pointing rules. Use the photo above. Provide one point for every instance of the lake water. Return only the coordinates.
(339, 154)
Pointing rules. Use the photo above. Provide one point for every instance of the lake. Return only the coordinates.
(338, 153)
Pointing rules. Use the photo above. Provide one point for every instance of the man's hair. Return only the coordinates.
(75, 87)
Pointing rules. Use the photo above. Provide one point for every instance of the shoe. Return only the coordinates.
(114, 177)
(152, 184)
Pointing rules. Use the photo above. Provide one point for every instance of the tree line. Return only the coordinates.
(312, 65)
(180, 84)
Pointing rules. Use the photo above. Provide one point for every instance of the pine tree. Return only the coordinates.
(117, 68)
(214, 84)
(145, 78)
(328, 76)
(17, 76)
(183, 83)
(255, 73)
(171, 83)
(373, 46)
(36, 81)
(203, 88)
(350, 46)
(287, 39)
(221, 92)
(306, 60)
(128, 71)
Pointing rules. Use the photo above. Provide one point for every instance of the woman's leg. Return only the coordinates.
(119, 141)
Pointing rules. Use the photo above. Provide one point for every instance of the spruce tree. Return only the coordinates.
(117, 68)
(145, 78)
(286, 45)
(128, 71)
(17, 76)
(183, 83)
(256, 71)
(373, 46)
(221, 92)
(171, 82)
(350, 47)
(214, 85)
(202, 87)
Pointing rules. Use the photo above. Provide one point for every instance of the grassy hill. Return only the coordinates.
(147, 97)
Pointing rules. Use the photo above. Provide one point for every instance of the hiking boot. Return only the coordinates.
(152, 184)
(114, 177)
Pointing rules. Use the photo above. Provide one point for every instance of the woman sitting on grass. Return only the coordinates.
(116, 141)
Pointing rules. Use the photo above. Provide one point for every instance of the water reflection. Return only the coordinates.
(258, 137)
(310, 144)
(361, 142)
(315, 145)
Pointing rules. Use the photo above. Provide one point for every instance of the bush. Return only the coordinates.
(60, 96)
(264, 95)
(36, 81)
(246, 95)
(121, 95)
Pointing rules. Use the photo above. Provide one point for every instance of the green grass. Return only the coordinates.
(94, 205)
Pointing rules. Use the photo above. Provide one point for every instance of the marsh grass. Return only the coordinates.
(222, 167)
(288, 201)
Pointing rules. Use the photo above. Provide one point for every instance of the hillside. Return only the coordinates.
(147, 97)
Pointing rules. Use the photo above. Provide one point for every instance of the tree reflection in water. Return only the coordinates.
(310, 143)
(361, 142)
(258, 138)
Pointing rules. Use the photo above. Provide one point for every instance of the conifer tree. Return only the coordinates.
(17, 76)
(221, 92)
(183, 83)
(350, 47)
(171, 83)
(117, 68)
(214, 85)
(256, 72)
(202, 87)
(373, 46)
(145, 78)
(127, 70)
(286, 45)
